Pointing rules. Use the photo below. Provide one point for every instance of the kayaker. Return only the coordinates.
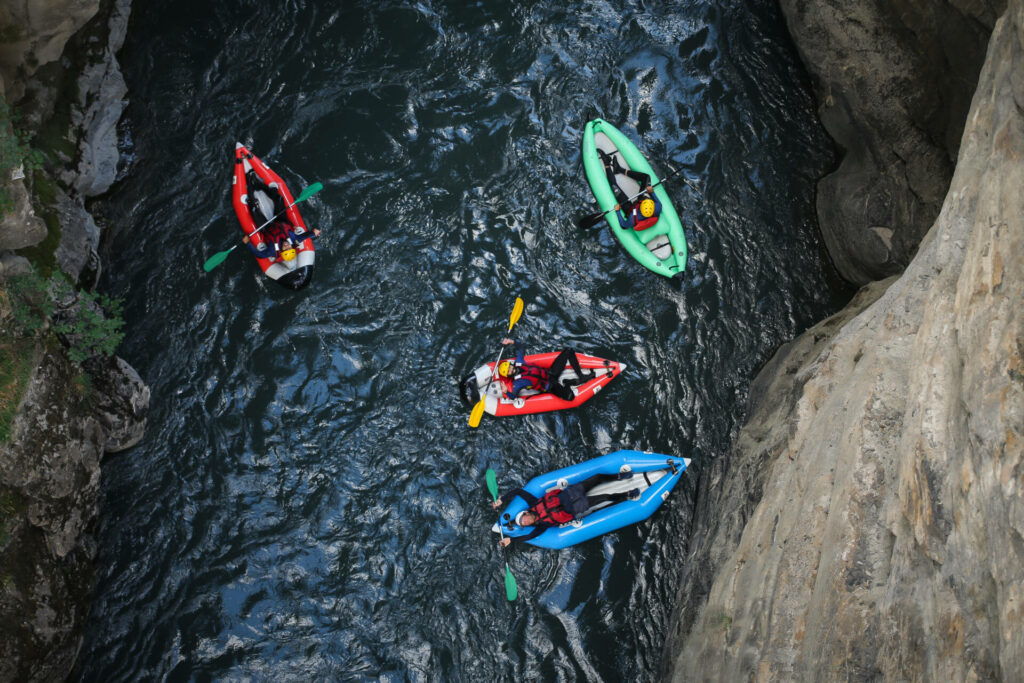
(643, 214)
(266, 207)
(612, 169)
(517, 375)
(284, 246)
(560, 506)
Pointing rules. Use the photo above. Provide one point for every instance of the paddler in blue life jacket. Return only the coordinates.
(517, 375)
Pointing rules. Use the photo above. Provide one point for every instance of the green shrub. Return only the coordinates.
(90, 326)
(14, 152)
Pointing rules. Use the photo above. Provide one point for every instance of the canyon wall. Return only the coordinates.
(868, 524)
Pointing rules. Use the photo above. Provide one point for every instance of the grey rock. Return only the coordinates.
(49, 480)
(79, 238)
(894, 82)
(101, 102)
(12, 265)
(44, 27)
(122, 402)
(867, 524)
(21, 228)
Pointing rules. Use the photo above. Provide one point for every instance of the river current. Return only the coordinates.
(309, 502)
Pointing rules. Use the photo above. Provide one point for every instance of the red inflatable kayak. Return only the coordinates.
(258, 195)
(479, 384)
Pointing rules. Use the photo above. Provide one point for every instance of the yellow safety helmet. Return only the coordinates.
(506, 369)
(647, 208)
(288, 254)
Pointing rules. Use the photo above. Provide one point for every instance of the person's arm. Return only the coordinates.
(624, 223)
(538, 529)
(517, 386)
(507, 387)
(525, 495)
(266, 252)
(657, 204)
(300, 236)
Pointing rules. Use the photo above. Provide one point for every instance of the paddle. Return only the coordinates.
(219, 257)
(592, 219)
(511, 591)
(478, 409)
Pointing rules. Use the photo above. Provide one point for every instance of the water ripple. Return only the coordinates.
(308, 502)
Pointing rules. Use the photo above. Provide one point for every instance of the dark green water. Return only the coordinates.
(308, 503)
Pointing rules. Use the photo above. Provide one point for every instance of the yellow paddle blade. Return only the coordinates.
(476, 415)
(517, 312)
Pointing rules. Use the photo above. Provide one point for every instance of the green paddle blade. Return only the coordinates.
(492, 483)
(511, 590)
(215, 260)
(309, 192)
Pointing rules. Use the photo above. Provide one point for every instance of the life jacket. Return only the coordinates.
(639, 222)
(277, 235)
(540, 379)
(549, 509)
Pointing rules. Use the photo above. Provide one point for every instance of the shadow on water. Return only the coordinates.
(308, 501)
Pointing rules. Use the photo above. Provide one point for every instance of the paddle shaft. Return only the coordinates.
(270, 221)
(594, 217)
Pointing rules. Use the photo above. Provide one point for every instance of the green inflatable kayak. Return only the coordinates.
(660, 247)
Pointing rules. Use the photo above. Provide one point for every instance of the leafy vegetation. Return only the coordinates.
(14, 153)
(16, 363)
(89, 326)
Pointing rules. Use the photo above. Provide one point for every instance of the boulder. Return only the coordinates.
(867, 524)
(894, 81)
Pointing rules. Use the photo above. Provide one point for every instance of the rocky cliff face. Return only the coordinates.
(868, 524)
(894, 82)
(67, 420)
(49, 493)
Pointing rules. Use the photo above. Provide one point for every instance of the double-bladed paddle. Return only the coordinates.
(219, 257)
(478, 409)
(592, 219)
(511, 590)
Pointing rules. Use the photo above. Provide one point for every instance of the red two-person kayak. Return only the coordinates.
(479, 385)
(260, 195)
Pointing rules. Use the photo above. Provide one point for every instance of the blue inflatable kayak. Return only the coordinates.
(654, 474)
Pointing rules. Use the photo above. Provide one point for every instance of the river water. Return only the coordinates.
(309, 503)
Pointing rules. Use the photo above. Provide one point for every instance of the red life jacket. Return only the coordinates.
(549, 509)
(641, 223)
(539, 378)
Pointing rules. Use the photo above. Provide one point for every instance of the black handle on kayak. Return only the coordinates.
(592, 219)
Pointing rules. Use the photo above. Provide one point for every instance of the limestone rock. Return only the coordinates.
(894, 83)
(79, 238)
(12, 265)
(35, 32)
(122, 402)
(867, 524)
(22, 227)
(49, 480)
(101, 102)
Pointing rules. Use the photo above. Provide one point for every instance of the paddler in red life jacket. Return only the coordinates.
(644, 213)
(279, 241)
(559, 506)
(517, 375)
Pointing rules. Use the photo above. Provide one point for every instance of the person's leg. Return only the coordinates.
(561, 391)
(640, 177)
(591, 482)
(558, 364)
(609, 498)
(570, 354)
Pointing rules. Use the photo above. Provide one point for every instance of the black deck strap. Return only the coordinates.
(647, 479)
